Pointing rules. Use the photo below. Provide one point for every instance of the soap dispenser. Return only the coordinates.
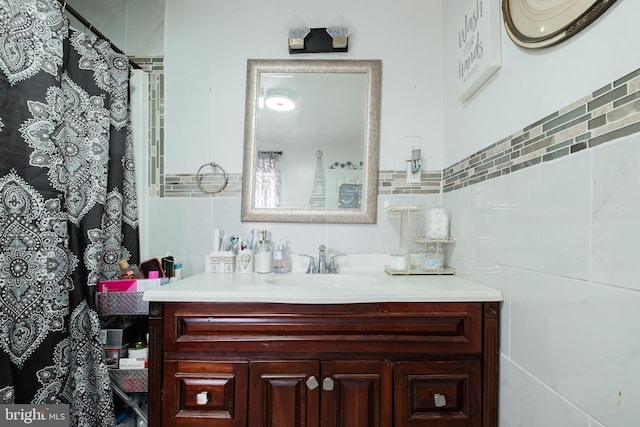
(264, 255)
(280, 259)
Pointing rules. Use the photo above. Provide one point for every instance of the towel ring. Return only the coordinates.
(199, 178)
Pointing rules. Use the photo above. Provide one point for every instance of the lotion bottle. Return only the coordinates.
(264, 255)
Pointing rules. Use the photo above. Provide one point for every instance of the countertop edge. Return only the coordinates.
(211, 287)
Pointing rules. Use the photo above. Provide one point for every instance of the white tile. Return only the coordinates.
(576, 338)
(496, 276)
(536, 218)
(179, 226)
(549, 217)
(490, 213)
(457, 203)
(524, 402)
(616, 213)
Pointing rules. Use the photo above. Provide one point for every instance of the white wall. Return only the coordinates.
(207, 45)
(134, 26)
(560, 239)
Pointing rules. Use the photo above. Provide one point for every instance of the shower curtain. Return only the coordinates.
(67, 206)
(268, 180)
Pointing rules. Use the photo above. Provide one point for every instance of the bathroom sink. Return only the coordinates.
(322, 280)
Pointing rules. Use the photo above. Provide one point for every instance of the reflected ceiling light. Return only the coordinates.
(279, 101)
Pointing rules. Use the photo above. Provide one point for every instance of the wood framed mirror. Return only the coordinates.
(311, 141)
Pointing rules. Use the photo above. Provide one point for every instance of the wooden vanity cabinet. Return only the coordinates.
(301, 393)
(342, 365)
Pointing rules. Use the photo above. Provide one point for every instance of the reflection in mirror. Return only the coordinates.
(311, 141)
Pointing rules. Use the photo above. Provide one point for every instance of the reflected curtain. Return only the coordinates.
(268, 180)
(67, 206)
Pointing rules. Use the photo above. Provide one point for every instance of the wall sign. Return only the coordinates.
(541, 23)
(479, 50)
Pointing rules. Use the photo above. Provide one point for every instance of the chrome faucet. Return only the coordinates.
(322, 262)
(322, 267)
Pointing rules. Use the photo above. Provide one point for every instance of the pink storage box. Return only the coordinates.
(117, 286)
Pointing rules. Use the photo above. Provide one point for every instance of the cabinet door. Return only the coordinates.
(212, 394)
(438, 394)
(356, 394)
(284, 394)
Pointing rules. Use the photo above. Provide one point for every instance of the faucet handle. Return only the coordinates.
(312, 269)
(332, 264)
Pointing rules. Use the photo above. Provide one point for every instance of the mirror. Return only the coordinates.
(311, 141)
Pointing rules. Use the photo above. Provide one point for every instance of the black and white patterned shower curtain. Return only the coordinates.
(67, 206)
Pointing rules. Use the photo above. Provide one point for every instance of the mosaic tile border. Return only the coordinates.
(154, 66)
(609, 113)
(395, 182)
(389, 182)
(185, 185)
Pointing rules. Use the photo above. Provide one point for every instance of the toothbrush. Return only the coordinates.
(232, 241)
(225, 242)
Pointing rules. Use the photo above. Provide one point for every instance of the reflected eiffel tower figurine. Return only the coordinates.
(319, 193)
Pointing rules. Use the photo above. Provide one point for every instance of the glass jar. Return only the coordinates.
(398, 260)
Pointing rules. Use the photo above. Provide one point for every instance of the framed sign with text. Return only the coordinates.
(479, 49)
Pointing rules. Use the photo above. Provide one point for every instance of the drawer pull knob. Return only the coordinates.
(327, 384)
(439, 400)
(312, 383)
(202, 398)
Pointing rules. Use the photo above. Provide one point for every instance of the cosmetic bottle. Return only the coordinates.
(264, 255)
(177, 270)
(280, 259)
(129, 271)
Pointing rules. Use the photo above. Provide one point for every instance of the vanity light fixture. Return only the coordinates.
(334, 38)
(298, 30)
(339, 30)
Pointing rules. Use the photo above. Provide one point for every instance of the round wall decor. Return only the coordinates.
(541, 23)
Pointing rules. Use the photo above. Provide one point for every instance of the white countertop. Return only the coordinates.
(348, 287)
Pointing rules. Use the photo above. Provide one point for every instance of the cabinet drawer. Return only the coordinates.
(205, 393)
(449, 328)
(438, 394)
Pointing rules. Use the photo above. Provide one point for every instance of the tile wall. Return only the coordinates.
(561, 240)
(608, 113)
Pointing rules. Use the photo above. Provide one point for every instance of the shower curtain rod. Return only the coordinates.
(83, 21)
